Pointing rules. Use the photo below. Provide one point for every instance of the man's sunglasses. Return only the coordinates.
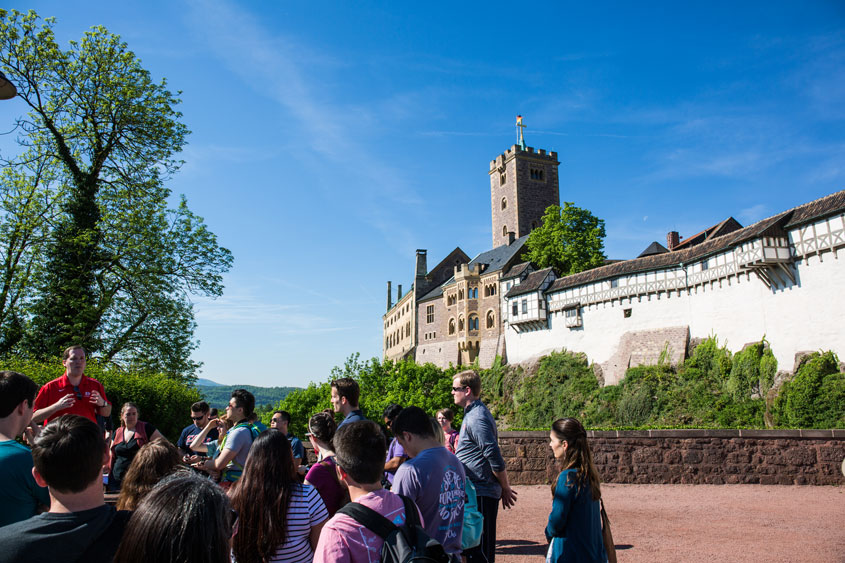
(197, 417)
(459, 388)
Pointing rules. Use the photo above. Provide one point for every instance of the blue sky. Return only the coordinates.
(330, 140)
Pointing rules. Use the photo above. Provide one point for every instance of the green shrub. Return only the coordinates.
(635, 405)
(753, 372)
(815, 397)
(163, 401)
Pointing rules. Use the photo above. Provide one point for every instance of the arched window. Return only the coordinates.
(533, 225)
(451, 326)
(460, 295)
(504, 230)
(461, 324)
(504, 203)
(473, 322)
(491, 319)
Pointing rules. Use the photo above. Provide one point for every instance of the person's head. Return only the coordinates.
(264, 489)
(444, 418)
(345, 394)
(200, 413)
(321, 429)
(438, 431)
(359, 451)
(74, 358)
(129, 414)
(280, 421)
(153, 462)
(466, 387)
(17, 395)
(213, 413)
(412, 428)
(390, 412)
(568, 441)
(69, 454)
(240, 405)
(184, 518)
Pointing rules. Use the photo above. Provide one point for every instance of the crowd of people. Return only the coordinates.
(231, 489)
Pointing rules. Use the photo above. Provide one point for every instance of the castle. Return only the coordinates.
(779, 278)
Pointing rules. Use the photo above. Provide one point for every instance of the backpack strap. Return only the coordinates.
(369, 518)
(412, 518)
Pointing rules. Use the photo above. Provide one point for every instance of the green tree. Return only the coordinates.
(570, 240)
(119, 265)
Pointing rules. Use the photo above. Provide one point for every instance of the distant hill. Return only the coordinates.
(218, 395)
(207, 383)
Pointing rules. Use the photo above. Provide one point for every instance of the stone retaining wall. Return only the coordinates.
(766, 457)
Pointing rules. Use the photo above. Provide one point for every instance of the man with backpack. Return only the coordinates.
(236, 443)
(393, 523)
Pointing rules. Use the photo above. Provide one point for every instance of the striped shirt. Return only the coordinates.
(305, 511)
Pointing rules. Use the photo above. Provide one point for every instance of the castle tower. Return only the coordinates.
(523, 183)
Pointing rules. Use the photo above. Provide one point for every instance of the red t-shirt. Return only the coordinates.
(58, 388)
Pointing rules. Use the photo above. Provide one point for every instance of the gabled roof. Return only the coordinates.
(531, 283)
(516, 271)
(777, 224)
(500, 256)
(653, 248)
(729, 225)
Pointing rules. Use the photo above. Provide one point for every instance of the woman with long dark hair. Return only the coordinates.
(574, 527)
(323, 474)
(184, 519)
(279, 518)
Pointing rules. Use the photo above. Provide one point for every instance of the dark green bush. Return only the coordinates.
(753, 372)
(815, 397)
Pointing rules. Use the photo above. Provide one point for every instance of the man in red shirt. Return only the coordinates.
(72, 393)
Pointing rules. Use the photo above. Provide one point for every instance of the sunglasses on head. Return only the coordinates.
(77, 392)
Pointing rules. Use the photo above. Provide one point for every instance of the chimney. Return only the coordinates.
(422, 268)
(398, 292)
(389, 296)
(672, 240)
(511, 237)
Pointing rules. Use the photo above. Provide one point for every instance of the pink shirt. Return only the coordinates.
(343, 539)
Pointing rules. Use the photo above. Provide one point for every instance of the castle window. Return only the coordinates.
(473, 322)
(429, 314)
(502, 179)
(460, 295)
(473, 293)
(524, 306)
(491, 319)
(705, 264)
(461, 324)
(504, 203)
(614, 283)
(626, 313)
(515, 308)
(451, 326)
(504, 230)
(536, 174)
(533, 225)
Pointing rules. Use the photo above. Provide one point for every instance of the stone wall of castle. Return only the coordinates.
(696, 457)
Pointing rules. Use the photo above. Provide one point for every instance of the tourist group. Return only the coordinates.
(231, 489)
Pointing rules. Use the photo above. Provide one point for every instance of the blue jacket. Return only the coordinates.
(574, 526)
(478, 450)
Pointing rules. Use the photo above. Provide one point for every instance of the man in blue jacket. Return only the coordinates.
(478, 450)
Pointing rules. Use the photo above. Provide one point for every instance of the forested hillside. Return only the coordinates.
(218, 395)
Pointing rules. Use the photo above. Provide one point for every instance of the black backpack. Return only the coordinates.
(402, 544)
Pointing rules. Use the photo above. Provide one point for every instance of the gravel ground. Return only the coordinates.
(740, 523)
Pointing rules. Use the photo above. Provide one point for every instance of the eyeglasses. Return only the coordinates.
(459, 388)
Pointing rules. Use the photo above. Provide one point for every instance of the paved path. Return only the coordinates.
(695, 523)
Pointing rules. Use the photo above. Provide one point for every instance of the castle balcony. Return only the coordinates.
(770, 258)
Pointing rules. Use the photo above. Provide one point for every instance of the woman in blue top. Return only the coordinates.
(574, 528)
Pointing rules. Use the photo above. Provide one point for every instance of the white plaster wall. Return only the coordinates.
(738, 310)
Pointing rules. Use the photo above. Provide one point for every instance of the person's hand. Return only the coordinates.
(97, 399)
(65, 402)
(31, 432)
(508, 497)
(192, 459)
